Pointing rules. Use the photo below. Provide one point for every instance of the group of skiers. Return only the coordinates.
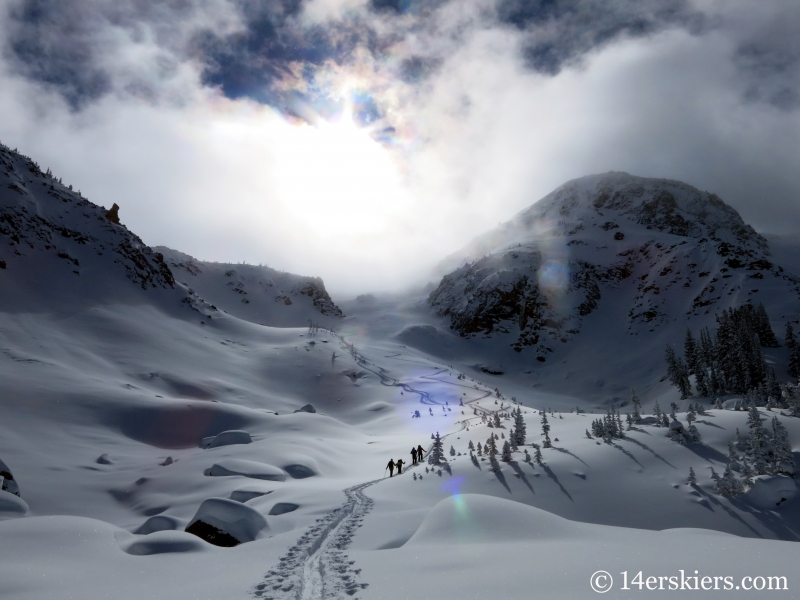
(416, 456)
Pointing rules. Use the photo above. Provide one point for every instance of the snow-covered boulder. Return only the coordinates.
(307, 408)
(12, 506)
(298, 471)
(247, 468)
(159, 523)
(230, 438)
(7, 482)
(227, 523)
(164, 542)
(245, 493)
(770, 491)
(281, 508)
(103, 459)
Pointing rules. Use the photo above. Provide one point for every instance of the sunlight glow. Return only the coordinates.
(335, 178)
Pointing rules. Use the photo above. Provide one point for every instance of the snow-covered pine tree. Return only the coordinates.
(716, 478)
(783, 458)
(733, 458)
(491, 446)
(588, 435)
(537, 455)
(480, 449)
(758, 443)
(471, 446)
(452, 451)
(657, 413)
(436, 454)
(665, 422)
(506, 452)
(496, 420)
(730, 484)
(527, 456)
(637, 407)
(546, 431)
(692, 434)
(519, 427)
(692, 479)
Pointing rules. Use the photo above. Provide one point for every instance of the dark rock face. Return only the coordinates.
(322, 301)
(113, 214)
(212, 535)
(648, 244)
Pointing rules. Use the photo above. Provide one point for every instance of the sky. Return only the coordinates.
(363, 141)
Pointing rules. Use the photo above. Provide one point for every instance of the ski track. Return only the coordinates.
(317, 567)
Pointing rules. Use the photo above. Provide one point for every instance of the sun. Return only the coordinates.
(334, 176)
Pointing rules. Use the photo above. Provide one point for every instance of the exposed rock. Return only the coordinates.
(113, 214)
(226, 523)
(307, 408)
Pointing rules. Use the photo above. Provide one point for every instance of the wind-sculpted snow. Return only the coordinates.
(660, 250)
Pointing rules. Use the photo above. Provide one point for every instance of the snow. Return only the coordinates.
(247, 468)
(117, 399)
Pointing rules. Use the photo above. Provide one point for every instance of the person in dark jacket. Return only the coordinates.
(390, 466)
(413, 456)
(399, 464)
(420, 453)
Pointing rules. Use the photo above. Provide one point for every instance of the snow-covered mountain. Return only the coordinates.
(255, 293)
(641, 255)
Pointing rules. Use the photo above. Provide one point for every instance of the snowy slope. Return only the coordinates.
(113, 396)
(255, 293)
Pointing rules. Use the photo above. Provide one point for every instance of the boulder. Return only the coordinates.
(226, 523)
(307, 408)
(246, 468)
(230, 438)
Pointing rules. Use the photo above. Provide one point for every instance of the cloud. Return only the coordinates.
(363, 141)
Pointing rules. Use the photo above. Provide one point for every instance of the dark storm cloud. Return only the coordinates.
(560, 32)
(769, 60)
(273, 56)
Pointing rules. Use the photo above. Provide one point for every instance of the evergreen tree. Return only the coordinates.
(637, 407)
(519, 427)
(692, 479)
(657, 413)
(764, 329)
(790, 341)
(436, 454)
(546, 431)
(794, 362)
(452, 451)
(537, 455)
(496, 420)
(480, 449)
(506, 452)
(491, 447)
(471, 446)
(783, 458)
(758, 443)
(690, 353)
